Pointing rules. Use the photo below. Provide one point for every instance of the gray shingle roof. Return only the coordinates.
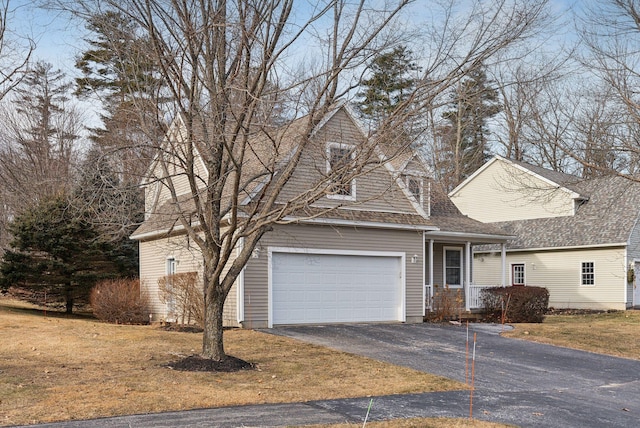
(568, 181)
(608, 217)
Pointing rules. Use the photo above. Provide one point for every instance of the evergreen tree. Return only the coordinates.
(392, 80)
(464, 139)
(117, 70)
(55, 248)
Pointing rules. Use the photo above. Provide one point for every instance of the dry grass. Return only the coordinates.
(422, 423)
(56, 368)
(616, 333)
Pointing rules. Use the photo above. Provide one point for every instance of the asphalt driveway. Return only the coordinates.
(517, 382)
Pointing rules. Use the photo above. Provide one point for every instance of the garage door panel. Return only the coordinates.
(324, 288)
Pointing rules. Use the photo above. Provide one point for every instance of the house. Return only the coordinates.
(579, 238)
(370, 250)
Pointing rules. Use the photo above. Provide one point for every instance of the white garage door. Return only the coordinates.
(332, 288)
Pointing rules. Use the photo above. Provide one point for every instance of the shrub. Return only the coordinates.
(515, 304)
(119, 301)
(447, 303)
(185, 296)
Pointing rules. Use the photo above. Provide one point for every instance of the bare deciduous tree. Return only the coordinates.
(229, 64)
(609, 127)
(39, 130)
(15, 51)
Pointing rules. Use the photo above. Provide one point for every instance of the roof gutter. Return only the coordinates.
(464, 236)
(354, 223)
(573, 247)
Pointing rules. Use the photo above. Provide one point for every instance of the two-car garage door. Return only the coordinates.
(335, 288)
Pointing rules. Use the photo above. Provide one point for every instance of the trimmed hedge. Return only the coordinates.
(521, 304)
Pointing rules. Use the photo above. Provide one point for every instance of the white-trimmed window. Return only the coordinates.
(414, 185)
(587, 274)
(339, 157)
(517, 274)
(452, 266)
(171, 269)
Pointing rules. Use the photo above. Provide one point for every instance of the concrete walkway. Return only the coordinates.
(517, 382)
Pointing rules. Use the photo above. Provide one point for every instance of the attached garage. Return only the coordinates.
(323, 286)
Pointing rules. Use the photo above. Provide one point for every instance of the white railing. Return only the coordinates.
(428, 302)
(475, 301)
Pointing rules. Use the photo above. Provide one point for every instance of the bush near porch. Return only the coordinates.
(515, 304)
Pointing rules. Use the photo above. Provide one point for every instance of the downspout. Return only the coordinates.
(431, 271)
(467, 274)
(424, 279)
(240, 288)
(626, 276)
(503, 255)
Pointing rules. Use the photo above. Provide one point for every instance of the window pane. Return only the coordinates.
(414, 187)
(588, 276)
(338, 158)
(453, 276)
(453, 258)
(453, 267)
(518, 274)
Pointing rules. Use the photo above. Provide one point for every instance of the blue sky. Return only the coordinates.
(57, 39)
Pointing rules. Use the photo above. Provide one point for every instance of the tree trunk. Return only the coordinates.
(69, 299)
(212, 344)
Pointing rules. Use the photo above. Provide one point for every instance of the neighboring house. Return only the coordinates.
(374, 257)
(579, 238)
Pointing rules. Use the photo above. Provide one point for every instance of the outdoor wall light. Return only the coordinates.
(414, 258)
(255, 253)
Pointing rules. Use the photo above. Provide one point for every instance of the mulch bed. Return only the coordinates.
(196, 363)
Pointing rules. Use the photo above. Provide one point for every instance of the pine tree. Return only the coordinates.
(55, 248)
(464, 139)
(392, 80)
(118, 71)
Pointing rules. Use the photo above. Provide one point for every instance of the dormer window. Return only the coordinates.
(339, 157)
(414, 185)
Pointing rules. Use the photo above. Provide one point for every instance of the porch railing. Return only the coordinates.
(475, 302)
(428, 302)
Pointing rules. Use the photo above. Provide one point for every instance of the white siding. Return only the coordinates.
(503, 192)
(559, 272)
(153, 259)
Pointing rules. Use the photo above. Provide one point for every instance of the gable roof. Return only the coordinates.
(554, 179)
(450, 221)
(443, 217)
(606, 218)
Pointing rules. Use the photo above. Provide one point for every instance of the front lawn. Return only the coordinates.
(613, 333)
(55, 368)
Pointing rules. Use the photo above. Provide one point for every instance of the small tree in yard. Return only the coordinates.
(55, 249)
(182, 292)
